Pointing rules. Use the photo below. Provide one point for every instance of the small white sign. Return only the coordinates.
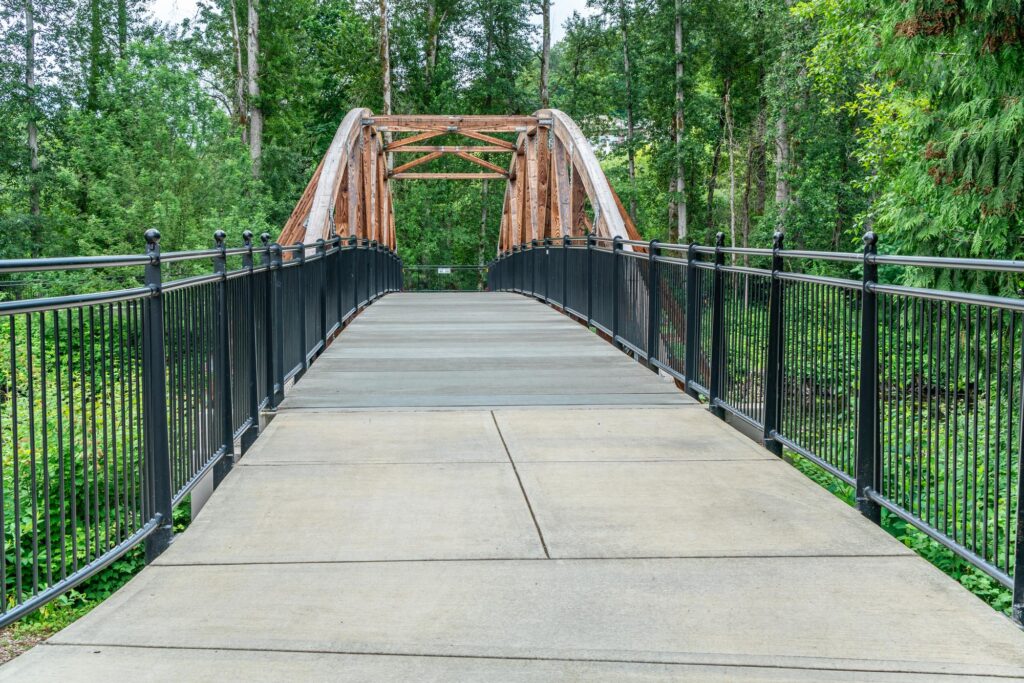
(444, 271)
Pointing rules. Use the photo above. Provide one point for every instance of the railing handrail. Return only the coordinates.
(950, 262)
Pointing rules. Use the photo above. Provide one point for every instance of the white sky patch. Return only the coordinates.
(561, 10)
(173, 11)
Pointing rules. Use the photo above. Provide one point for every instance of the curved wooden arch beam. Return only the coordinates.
(535, 191)
(612, 220)
(313, 223)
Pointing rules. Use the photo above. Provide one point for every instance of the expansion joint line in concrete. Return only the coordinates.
(515, 470)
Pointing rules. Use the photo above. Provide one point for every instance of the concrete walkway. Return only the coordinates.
(472, 487)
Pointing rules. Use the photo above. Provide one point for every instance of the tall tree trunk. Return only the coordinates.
(627, 75)
(240, 114)
(122, 27)
(782, 155)
(385, 75)
(432, 39)
(255, 110)
(783, 150)
(32, 131)
(680, 130)
(95, 52)
(545, 56)
(759, 160)
(732, 168)
(716, 161)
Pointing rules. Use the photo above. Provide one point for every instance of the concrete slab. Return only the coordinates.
(875, 614)
(102, 664)
(330, 513)
(344, 402)
(613, 380)
(297, 437)
(759, 508)
(663, 433)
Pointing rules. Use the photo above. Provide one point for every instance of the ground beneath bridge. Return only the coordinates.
(473, 487)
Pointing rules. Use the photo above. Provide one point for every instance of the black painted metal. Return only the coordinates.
(119, 403)
(773, 373)
(913, 397)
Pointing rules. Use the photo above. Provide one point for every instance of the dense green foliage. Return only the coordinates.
(822, 117)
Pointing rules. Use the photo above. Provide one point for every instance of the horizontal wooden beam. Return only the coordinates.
(494, 124)
(451, 149)
(449, 176)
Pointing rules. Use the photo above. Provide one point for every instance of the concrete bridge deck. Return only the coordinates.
(473, 487)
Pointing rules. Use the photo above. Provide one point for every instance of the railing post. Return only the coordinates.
(692, 350)
(222, 363)
(277, 322)
(547, 270)
(1017, 608)
(774, 371)
(868, 428)
(269, 318)
(654, 305)
(533, 269)
(717, 330)
(372, 289)
(249, 435)
(616, 267)
(517, 268)
(590, 279)
(300, 256)
(321, 251)
(339, 260)
(565, 271)
(154, 392)
(354, 243)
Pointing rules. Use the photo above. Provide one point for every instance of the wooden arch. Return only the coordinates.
(552, 178)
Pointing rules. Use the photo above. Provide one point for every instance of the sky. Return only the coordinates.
(173, 11)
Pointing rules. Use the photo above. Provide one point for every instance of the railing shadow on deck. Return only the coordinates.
(911, 396)
(114, 404)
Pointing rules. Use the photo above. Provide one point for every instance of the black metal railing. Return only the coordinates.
(114, 404)
(444, 278)
(910, 395)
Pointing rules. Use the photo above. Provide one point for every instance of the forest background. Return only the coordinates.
(822, 117)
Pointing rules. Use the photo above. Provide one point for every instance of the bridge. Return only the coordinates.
(585, 472)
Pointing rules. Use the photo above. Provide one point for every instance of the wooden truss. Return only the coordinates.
(555, 185)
